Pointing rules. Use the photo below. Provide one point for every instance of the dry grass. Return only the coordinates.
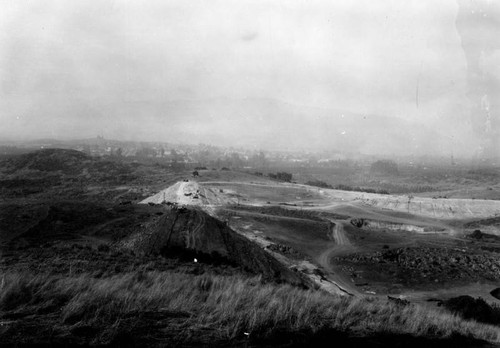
(221, 307)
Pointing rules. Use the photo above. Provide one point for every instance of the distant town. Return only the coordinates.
(184, 155)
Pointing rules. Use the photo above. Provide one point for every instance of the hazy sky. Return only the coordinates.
(122, 68)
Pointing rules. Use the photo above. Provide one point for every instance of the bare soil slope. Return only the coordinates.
(204, 237)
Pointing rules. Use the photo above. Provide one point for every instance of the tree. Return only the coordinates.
(283, 176)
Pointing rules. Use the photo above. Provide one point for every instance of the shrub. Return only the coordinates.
(319, 183)
(477, 309)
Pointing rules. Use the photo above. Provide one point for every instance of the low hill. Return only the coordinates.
(60, 172)
(45, 222)
(48, 160)
(62, 161)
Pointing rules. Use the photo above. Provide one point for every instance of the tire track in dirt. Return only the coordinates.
(192, 232)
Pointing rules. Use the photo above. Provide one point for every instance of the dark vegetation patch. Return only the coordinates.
(482, 173)
(421, 267)
(493, 221)
(326, 338)
(344, 187)
(474, 308)
(27, 186)
(48, 160)
(478, 235)
(281, 176)
(16, 218)
(286, 250)
(485, 241)
(105, 260)
(37, 223)
(61, 173)
(319, 183)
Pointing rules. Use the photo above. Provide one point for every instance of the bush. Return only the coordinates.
(477, 309)
(319, 183)
(283, 176)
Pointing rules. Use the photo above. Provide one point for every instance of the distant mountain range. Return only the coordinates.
(272, 124)
(257, 123)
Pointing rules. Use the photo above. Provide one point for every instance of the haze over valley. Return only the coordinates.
(386, 78)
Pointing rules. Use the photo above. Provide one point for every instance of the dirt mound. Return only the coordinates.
(170, 194)
(193, 232)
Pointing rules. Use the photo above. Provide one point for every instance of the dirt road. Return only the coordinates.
(341, 244)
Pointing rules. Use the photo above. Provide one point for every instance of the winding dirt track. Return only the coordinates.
(342, 244)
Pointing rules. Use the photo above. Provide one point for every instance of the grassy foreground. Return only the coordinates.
(159, 307)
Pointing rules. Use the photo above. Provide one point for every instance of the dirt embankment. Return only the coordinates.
(191, 231)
